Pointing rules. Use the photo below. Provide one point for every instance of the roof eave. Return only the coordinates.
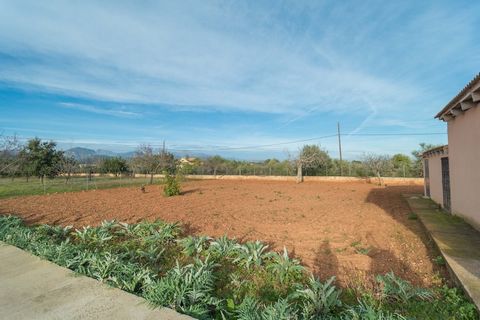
(461, 95)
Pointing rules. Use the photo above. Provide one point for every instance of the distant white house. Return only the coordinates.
(187, 161)
(452, 173)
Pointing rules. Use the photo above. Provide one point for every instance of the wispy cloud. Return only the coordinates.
(379, 65)
(111, 112)
(273, 59)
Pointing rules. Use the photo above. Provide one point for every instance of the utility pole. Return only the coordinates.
(340, 147)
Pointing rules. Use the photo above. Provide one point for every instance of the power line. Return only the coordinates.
(310, 139)
(222, 148)
(396, 134)
(261, 146)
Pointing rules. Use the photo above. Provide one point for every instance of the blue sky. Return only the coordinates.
(213, 75)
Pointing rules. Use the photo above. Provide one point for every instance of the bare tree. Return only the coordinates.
(378, 164)
(147, 161)
(67, 166)
(10, 162)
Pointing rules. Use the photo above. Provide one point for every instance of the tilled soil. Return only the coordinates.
(350, 230)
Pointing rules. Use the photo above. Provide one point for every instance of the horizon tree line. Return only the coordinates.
(42, 159)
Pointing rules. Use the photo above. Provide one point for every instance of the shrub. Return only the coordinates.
(366, 311)
(397, 289)
(285, 268)
(186, 288)
(193, 246)
(224, 247)
(172, 186)
(318, 299)
(252, 254)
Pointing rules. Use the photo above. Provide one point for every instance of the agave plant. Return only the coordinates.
(249, 309)
(19, 236)
(251, 253)
(397, 289)
(317, 299)
(164, 234)
(152, 253)
(64, 252)
(109, 225)
(96, 236)
(224, 247)
(8, 223)
(188, 288)
(281, 309)
(285, 267)
(103, 266)
(193, 245)
(79, 262)
(128, 229)
(170, 231)
(366, 311)
(55, 232)
(132, 278)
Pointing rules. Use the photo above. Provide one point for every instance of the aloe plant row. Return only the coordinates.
(208, 278)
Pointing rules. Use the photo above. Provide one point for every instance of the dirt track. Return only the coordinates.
(351, 230)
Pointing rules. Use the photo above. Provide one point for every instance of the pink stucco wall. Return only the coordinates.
(464, 160)
(435, 170)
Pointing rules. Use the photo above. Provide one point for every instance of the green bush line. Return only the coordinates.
(221, 278)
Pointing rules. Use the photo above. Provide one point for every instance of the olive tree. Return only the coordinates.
(114, 165)
(214, 163)
(309, 157)
(41, 158)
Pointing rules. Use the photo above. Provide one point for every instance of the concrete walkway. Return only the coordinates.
(458, 242)
(31, 288)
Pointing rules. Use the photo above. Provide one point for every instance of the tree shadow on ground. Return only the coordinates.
(391, 200)
(325, 264)
(349, 275)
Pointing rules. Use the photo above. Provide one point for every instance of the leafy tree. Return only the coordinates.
(214, 163)
(115, 165)
(358, 168)
(310, 157)
(418, 165)
(41, 158)
(402, 164)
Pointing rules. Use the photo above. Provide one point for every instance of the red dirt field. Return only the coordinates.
(351, 230)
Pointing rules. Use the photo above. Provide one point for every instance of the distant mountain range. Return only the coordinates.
(80, 153)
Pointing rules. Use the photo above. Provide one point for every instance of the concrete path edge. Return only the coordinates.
(457, 241)
(32, 288)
